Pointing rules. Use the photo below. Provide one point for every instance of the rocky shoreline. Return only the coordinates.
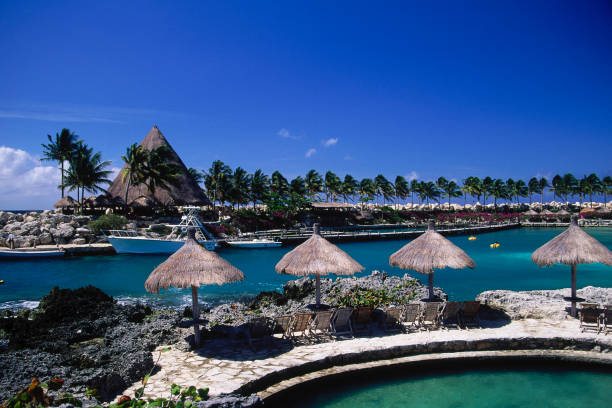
(45, 228)
(85, 338)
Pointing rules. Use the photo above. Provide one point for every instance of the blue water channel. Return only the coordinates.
(123, 276)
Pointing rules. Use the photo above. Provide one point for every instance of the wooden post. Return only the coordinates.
(318, 290)
(431, 294)
(573, 290)
(196, 315)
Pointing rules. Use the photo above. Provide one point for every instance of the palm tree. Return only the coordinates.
(414, 189)
(383, 188)
(349, 187)
(134, 172)
(596, 186)
(333, 186)
(259, 187)
(61, 150)
(298, 186)
(570, 185)
(240, 185)
(533, 187)
(367, 190)
(498, 190)
(520, 190)
(450, 190)
(473, 187)
(606, 188)
(487, 185)
(196, 175)
(86, 172)
(557, 186)
(216, 180)
(314, 183)
(279, 184)
(428, 191)
(159, 170)
(543, 185)
(402, 189)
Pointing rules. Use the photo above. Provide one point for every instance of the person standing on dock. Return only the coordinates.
(11, 241)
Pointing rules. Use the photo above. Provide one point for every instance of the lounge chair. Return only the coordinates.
(282, 325)
(590, 317)
(450, 314)
(321, 324)
(431, 315)
(607, 318)
(341, 322)
(363, 318)
(469, 314)
(260, 329)
(393, 319)
(300, 324)
(412, 312)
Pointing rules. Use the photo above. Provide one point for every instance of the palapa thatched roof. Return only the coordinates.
(563, 212)
(143, 202)
(547, 212)
(332, 205)
(587, 210)
(192, 265)
(530, 213)
(65, 202)
(317, 256)
(572, 247)
(187, 191)
(430, 251)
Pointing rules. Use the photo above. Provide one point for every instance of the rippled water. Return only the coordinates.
(123, 276)
(472, 389)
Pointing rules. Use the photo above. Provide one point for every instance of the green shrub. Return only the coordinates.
(107, 222)
(160, 229)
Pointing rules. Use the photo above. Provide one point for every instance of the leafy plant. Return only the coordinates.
(107, 222)
(355, 297)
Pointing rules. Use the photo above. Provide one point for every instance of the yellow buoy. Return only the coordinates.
(1, 281)
(494, 245)
(472, 238)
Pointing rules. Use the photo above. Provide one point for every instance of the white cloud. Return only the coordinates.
(330, 142)
(413, 175)
(285, 134)
(114, 172)
(310, 152)
(24, 182)
(348, 157)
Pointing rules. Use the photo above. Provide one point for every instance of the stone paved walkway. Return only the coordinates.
(226, 366)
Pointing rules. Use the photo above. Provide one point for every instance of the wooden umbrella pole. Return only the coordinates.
(573, 290)
(318, 290)
(430, 286)
(196, 314)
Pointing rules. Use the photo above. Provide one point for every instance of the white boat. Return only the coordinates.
(29, 254)
(255, 243)
(131, 242)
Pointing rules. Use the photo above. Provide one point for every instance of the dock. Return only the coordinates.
(76, 250)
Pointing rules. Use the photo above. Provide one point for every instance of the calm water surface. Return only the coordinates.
(474, 389)
(123, 276)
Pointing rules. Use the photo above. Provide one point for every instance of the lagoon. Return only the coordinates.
(123, 276)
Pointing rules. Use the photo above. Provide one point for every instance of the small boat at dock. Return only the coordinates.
(31, 253)
(254, 243)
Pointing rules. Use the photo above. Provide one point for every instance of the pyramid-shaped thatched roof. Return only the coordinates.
(187, 190)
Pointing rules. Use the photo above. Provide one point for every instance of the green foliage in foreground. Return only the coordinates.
(107, 222)
(35, 396)
(373, 297)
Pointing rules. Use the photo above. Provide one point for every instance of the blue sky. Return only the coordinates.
(506, 89)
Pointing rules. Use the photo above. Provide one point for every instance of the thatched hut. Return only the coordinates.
(317, 256)
(189, 267)
(66, 202)
(572, 247)
(186, 192)
(428, 252)
(143, 202)
(530, 213)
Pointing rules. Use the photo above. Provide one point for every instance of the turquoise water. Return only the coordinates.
(123, 276)
(474, 389)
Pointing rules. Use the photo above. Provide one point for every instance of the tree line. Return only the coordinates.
(238, 187)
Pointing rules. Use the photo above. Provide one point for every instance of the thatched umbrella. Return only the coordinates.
(572, 247)
(563, 213)
(547, 212)
(189, 267)
(428, 252)
(530, 213)
(65, 202)
(317, 256)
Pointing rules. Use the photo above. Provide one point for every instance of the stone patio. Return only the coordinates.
(230, 366)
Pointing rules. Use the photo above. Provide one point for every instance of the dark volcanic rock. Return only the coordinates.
(85, 338)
